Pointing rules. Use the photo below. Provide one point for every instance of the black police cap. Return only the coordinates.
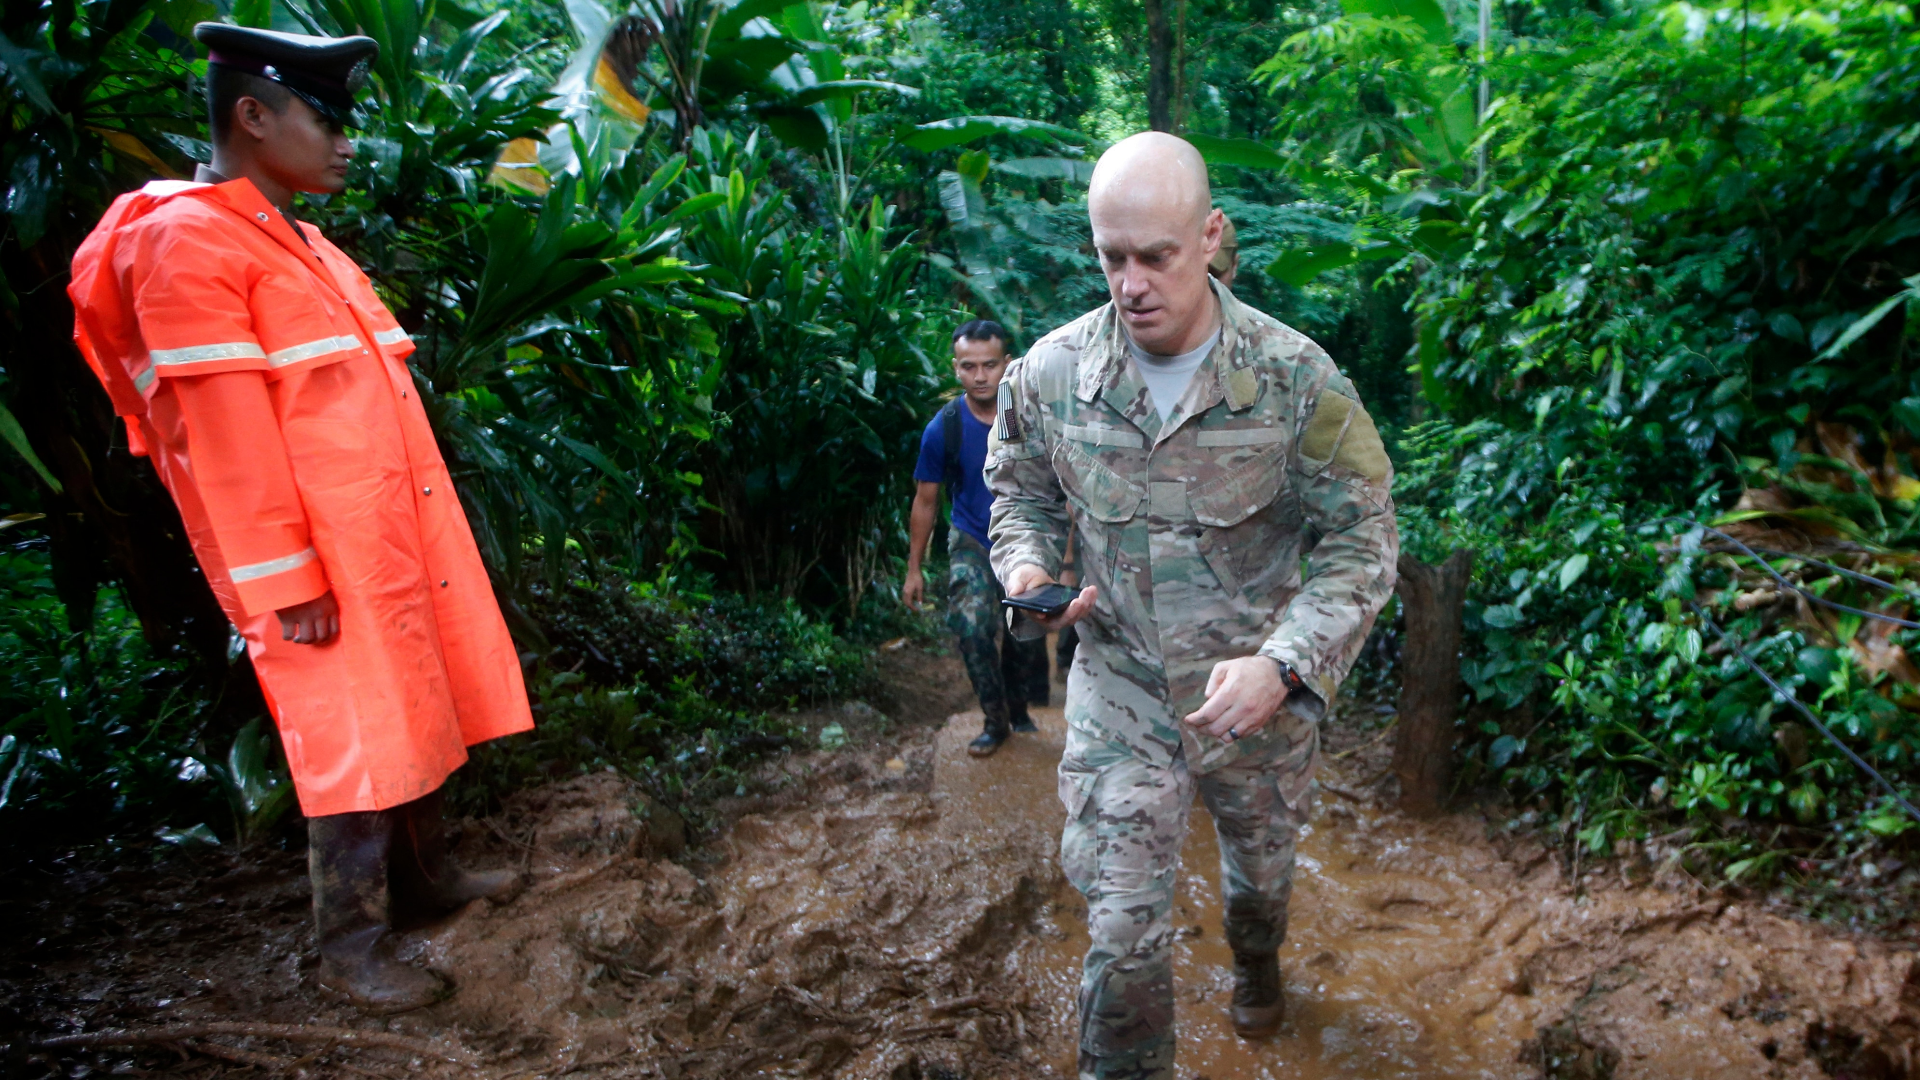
(324, 72)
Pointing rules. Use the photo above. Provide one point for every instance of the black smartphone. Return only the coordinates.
(1048, 600)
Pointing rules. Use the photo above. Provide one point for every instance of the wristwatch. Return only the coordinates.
(1290, 678)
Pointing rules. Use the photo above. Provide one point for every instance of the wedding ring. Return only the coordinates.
(1232, 735)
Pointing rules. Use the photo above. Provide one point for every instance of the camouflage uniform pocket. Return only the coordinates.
(1076, 785)
(1239, 493)
(1104, 494)
(1245, 530)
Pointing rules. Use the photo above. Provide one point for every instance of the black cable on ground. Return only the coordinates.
(1787, 696)
(1816, 598)
(1865, 579)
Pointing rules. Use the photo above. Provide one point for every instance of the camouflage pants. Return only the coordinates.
(1006, 676)
(1126, 823)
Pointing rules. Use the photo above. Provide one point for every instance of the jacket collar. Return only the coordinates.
(1107, 371)
(245, 200)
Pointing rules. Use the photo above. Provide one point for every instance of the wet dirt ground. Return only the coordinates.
(895, 910)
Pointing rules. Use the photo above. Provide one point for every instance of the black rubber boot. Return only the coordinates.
(994, 733)
(1259, 1000)
(1022, 720)
(426, 884)
(347, 857)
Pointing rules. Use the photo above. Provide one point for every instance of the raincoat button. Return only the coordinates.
(443, 583)
(261, 215)
(426, 491)
(403, 393)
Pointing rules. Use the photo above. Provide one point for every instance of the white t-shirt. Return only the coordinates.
(1167, 377)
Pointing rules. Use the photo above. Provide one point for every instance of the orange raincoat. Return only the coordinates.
(269, 384)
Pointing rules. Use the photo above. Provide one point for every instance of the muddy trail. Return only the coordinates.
(895, 910)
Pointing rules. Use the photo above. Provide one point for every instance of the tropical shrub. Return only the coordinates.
(1676, 295)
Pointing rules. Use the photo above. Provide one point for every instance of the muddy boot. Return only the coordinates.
(426, 884)
(1258, 1002)
(347, 858)
(992, 735)
(1023, 720)
(1153, 1060)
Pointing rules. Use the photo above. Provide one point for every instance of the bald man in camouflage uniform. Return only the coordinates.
(1206, 661)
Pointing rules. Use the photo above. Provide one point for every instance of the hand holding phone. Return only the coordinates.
(1029, 577)
(1047, 600)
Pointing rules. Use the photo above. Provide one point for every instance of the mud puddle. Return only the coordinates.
(895, 911)
(917, 925)
(1435, 951)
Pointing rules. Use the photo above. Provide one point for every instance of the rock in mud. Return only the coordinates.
(1560, 1053)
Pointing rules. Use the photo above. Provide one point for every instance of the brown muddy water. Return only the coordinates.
(914, 927)
(1418, 951)
(895, 911)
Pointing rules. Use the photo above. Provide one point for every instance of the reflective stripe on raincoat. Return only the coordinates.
(269, 385)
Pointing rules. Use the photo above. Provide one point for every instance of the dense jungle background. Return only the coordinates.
(682, 276)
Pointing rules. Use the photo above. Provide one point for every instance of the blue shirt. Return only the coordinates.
(973, 503)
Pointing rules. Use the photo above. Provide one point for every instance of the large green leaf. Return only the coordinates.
(16, 437)
(20, 65)
(729, 23)
(1072, 170)
(743, 65)
(254, 13)
(396, 25)
(796, 125)
(1302, 265)
(256, 781)
(1238, 153)
(846, 88)
(1426, 14)
(960, 130)
(1871, 319)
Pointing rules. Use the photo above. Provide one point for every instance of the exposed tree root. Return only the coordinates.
(175, 1033)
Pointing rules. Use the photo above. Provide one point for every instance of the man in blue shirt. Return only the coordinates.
(1006, 674)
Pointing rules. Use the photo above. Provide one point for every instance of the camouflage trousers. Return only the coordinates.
(1007, 674)
(1126, 824)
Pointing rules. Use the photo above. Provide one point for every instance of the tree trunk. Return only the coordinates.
(1160, 61)
(1431, 598)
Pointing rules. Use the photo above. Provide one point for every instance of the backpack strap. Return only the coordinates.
(950, 431)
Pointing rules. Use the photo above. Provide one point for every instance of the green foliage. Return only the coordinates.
(1681, 279)
(659, 345)
(678, 693)
(1031, 58)
(692, 331)
(821, 388)
(96, 103)
(96, 732)
(255, 781)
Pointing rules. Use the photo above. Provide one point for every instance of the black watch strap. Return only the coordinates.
(1291, 677)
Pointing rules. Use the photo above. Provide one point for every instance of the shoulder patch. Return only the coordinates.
(1341, 431)
(1362, 450)
(1243, 388)
(1328, 424)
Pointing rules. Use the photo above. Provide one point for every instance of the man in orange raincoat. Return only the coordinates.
(253, 362)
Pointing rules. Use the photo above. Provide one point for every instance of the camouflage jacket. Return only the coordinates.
(1194, 530)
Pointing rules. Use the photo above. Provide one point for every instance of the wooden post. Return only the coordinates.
(1431, 600)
